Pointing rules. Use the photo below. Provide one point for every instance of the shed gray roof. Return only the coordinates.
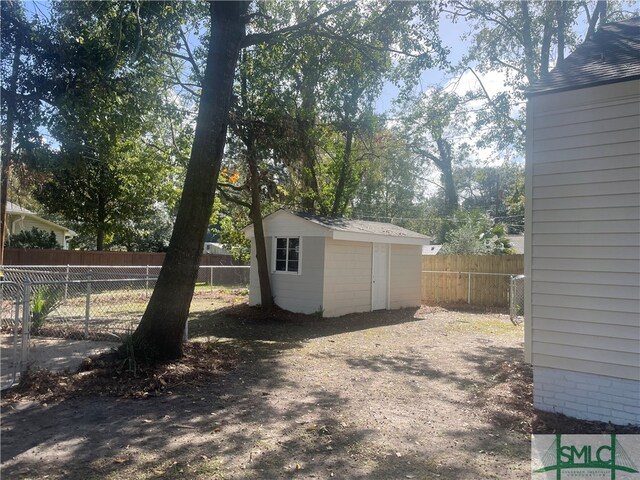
(360, 226)
(611, 55)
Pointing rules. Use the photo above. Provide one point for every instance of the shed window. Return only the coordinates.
(287, 255)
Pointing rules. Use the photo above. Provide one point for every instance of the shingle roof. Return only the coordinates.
(360, 226)
(611, 55)
(15, 208)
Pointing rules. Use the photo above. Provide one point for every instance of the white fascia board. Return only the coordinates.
(370, 237)
(65, 230)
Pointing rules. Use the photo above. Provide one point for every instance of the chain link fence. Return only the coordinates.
(55, 316)
(516, 299)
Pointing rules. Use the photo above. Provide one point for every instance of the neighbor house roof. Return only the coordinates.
(358, 230)
(517, 243)
(431, 249)
(611, 55)
(17, 210)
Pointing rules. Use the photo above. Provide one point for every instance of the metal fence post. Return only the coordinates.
(146, 283)
(469, 289)
(66, 285)
(87, 307)
(26, 323)
(211, 279)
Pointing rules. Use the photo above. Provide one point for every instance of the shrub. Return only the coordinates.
(35, 238)
(44, 301)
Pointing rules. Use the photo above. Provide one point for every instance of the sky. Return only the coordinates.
(450, 34)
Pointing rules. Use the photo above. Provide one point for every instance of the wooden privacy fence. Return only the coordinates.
(24, 256)
(477, 280)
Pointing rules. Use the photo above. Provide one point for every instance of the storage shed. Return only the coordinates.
(338, 266)
(582, 245)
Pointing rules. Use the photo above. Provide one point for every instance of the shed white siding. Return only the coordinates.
(347, 278)
(297, 293)
(405, 276)
(337, 265)
(583, 228)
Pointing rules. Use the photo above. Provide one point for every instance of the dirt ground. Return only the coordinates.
(422, 394)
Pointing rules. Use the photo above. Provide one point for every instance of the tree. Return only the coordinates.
(523, 41)
(108, 95)
(471, 232)
(431, 125)
(489, 188)
(159, 334)
(392, 183)
(23, 65)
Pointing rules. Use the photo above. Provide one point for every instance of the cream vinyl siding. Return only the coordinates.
(27, 223)
(297, 293)
(347, 279)
(405, 276)
(583, 229)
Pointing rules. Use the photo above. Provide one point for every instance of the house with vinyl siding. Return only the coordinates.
(338, 266)
(20, 219)
(582, 244)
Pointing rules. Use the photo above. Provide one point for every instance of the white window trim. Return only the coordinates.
(274, 243)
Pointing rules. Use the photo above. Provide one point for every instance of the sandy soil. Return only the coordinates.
(404, 394)
(422, 394)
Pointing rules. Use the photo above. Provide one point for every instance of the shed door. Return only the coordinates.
(380, 276)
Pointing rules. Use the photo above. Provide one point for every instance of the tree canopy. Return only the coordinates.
(147, 124)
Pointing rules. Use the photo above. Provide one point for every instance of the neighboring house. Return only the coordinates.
(20, 219)
(211, 248)
(431, 249)
(338, 266)
(582, 293)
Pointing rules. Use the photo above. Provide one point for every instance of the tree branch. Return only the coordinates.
(257, 38)
(192, 59)
(492, 103)
(233, 199)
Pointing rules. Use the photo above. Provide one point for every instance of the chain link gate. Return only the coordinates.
(516, 299)
(13, 333)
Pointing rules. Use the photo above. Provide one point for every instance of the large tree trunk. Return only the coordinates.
(446, 169)
(306, 119)
(527, 42)
(159, 335)
(345, 169)
(266, 297)
(560, 16)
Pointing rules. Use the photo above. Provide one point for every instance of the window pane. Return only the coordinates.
(294, 244)
(281, 254)
(293, 255)
(293, 266)
(281, 265)
(281, 243)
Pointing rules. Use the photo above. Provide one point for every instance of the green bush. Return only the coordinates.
(44, 301)
(35, 238)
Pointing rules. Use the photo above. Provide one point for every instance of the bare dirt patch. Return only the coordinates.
(435, 393)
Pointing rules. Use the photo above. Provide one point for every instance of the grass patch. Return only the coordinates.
(489, 325)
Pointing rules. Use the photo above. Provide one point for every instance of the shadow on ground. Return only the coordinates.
(250, 323)
(258, 421)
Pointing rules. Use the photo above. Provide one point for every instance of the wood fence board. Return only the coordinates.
(24, 256)
(484, 290)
